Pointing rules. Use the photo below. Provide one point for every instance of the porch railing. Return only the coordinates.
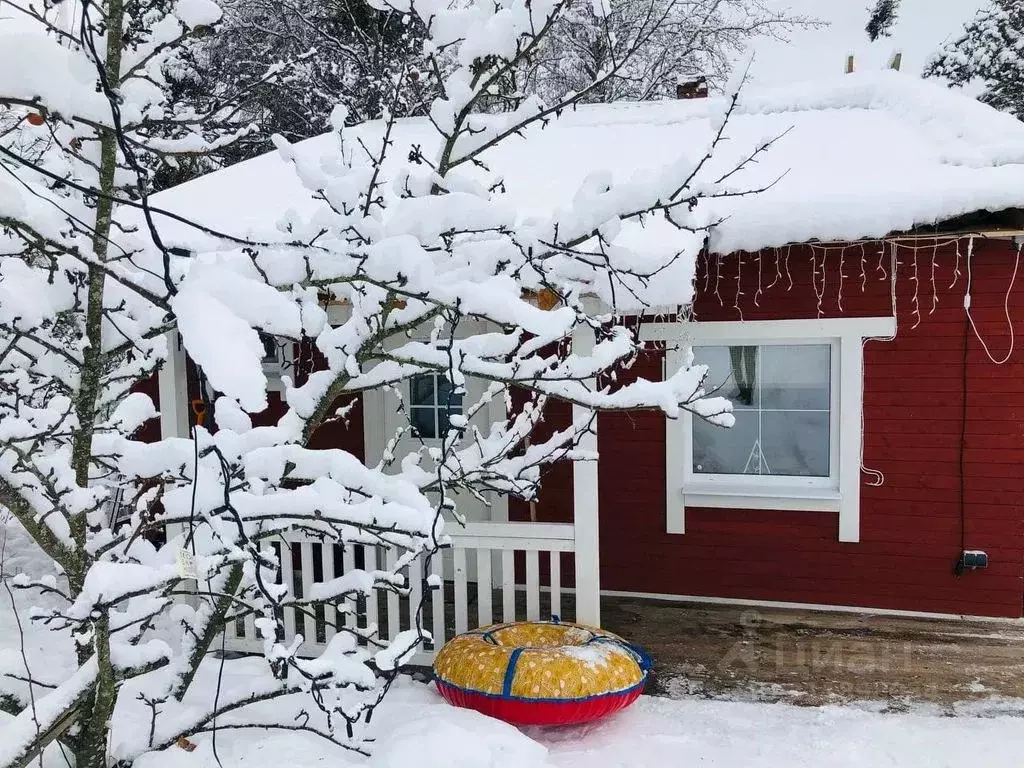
(493, 571)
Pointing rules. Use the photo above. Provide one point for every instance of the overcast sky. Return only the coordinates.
(921, 28)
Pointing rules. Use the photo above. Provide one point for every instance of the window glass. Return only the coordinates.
(781, 396)
(430, 403)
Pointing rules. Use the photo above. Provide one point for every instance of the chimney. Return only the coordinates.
(897, 60)
(693, 89)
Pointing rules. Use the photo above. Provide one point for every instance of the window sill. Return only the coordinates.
(778, 497)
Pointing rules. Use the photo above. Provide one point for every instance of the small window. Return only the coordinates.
(782, 401)
(432, 401)
(273, 353)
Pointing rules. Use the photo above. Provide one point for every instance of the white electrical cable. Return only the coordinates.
(1006, 303)
(877, 476)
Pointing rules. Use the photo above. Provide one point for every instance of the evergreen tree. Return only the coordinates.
(990, 51)
(883, 16)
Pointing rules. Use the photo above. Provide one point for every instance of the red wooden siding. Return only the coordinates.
(913, 398)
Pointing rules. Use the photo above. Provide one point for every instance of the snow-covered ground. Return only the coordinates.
(416, 728)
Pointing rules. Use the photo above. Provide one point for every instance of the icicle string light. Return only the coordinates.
(839, 297)
(819, 290)
(915, 302)
(739, 285)
(881, 255)
(863, 269)
(788, 273)
(956, 265)
(778, 271)
(718, 277)
(935, 294)
(757, 293)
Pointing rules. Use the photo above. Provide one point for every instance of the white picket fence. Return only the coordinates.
(490, 565)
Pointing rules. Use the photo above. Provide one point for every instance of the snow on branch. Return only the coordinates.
(413, 267)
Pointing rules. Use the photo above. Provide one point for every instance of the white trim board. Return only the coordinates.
(823, 607)
(846, 335)
(770, 329)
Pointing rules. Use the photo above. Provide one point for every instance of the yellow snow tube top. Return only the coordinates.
(537, 663)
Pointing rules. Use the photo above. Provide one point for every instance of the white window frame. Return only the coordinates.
(840, 492)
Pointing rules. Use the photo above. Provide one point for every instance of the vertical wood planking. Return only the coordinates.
(288, 579)
(350, 605)
(437, 601)
(556, 583)
(508, 585)
(415, 590)
(370, 565)
(391, 560)
(483, 587)
(306, 565)
(330, 611)
(532, 585)
(461, 609)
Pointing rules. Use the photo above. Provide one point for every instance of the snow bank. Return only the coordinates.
(457, 737)
(861, 155)
(414, 727)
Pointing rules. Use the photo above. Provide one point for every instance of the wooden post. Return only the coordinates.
(173, 390)
(850, 405)
(849, 64)
(585, 510)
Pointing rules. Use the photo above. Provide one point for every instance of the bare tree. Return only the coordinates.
(436, 273)
(665, 41)
(329, 51)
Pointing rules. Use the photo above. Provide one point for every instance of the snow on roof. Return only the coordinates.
(862, 155)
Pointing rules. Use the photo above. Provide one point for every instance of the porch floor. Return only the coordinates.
(818, 657)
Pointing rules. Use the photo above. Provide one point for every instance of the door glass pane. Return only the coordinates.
(422, 389)
(442, 421)
(796, 376)
(422, 421)
(446, 397)
(795, 442)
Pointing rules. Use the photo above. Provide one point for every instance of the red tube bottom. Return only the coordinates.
(519, 711)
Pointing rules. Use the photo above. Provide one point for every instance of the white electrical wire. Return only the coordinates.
(1006, 304)
(877, 476)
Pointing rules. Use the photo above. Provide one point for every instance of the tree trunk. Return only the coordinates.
(94, 722)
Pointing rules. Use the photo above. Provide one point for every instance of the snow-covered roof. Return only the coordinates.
(862, 155)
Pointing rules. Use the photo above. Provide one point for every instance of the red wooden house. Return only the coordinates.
(863, 316)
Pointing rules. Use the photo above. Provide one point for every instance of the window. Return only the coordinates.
(431, 402)
(796, 389)
(273, 361)
(782, 401)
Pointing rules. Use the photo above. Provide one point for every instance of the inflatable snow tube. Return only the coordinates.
(541, 673)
